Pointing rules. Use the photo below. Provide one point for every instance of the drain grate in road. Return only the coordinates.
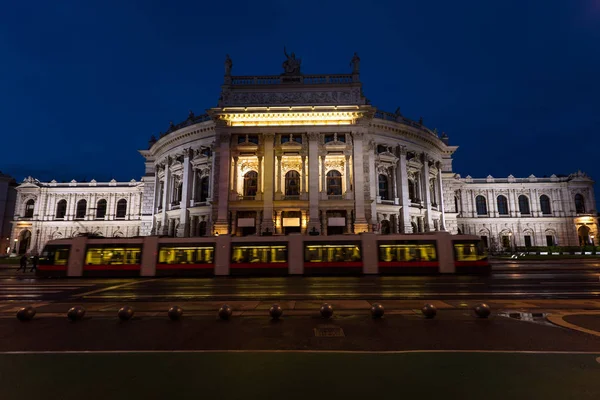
(329, 332)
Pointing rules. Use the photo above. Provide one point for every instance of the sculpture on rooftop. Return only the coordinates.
(228, 65)
(291, 66)
(355, 62)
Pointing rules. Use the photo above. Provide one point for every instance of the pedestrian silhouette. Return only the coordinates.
(23, 263)
(34, 263)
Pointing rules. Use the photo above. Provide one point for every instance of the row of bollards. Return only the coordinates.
(225, 311)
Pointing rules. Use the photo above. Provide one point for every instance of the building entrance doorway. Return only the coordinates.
(24, 241)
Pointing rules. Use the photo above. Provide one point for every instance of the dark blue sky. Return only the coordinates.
(85, 84)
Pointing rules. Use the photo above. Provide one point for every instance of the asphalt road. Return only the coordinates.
(508, 281)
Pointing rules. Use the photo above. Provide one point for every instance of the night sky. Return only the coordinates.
(84, 84)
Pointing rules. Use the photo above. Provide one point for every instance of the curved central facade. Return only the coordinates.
(294, 153)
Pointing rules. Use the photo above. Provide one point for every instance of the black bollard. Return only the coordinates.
(429, 310)
(225, 312)
(326, 310)
(26, 314)
(125, 313)
(76, 313)
(377, 310)
(275, 311)
(483, 310)
(175, 313)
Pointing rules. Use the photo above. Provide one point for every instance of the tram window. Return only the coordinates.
(469, 251)
(408, 250)
(332, 252)
(109, 255)
(55, 255)
(186, 255)
(248, 253)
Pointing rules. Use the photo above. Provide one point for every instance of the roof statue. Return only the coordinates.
(355, 62)
(291, 66)
(228, 65)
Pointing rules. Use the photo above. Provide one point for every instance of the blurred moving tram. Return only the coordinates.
(294, 254)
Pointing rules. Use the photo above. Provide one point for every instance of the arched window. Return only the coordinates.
(383, 187)
(524, 204)
(250, 183)
(204, 189)
(61, 209)
(502, 205)
(334, 183)
(579, 204)
(481, 205)
(121, 208)
(29, 208)
(292, 180)
(456, 204)
(81, 209)
(545, 204)
(101, 209)
(411, 190)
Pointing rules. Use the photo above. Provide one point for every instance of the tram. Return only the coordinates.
(294, 254)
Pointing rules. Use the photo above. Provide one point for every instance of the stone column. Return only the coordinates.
(360, 222)
(323, 177)
(221, 225)
(511, 203)
(347, 165)
(268, 182)
(184, 228)
(234, 173)
(428, 223)
(404, 223)
(303, 180)
(259, 189)
(194, 174)
(349, 221)
(441, 198)
(313, 181)
(211, 178)
(279, 174)
(395, 196)
(234, 222)
(167, 178)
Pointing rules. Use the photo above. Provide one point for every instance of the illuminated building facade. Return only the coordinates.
(296, 153)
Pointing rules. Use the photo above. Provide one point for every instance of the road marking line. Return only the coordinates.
(558, 320)
(301, 351)
(113, 287)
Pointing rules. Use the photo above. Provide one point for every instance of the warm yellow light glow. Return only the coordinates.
(292, 118)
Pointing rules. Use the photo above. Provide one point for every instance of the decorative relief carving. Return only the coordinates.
(289, 98)
(290, 165)
(249, 165)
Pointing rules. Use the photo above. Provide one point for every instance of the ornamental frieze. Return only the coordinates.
(289, 98)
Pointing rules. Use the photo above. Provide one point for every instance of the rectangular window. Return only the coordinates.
(194, 254)
(55, 255)
(257, 253)
(470, 250)
(343, 252)
(484, 239)
(113, 255)
(527, 241)
(549, 240)
(329, 138)
(408, 250)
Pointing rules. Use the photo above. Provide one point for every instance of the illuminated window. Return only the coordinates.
(292, 183)
(121, 208)
(481, 205)
(101, 209)
(81, 209)
(258, 253)
(502, 205)
(112, 255)
(579, 204)
(524, 204)
(409, 251)
(55, 255)
(199, 254)
(250, 183)
(545, 205)
(345, 252)
(334, 183)
(61, 209)
(29, 206)
(469, 250)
